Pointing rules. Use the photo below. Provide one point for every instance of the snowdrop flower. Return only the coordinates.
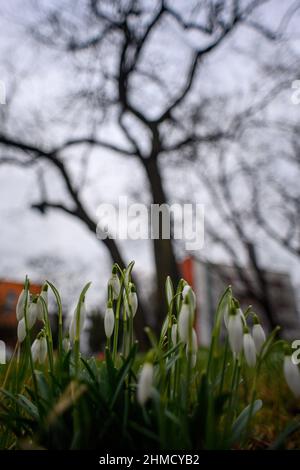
(73, 323)
(169, 290)
(292, 375)
(32, 314)
(131, 303)
(21, 304)
(39, 350)
(258, 334)
(193, 345)
(235, 331)
(187, 291)
(249, 349)
(109, 320)
(115, 284)
(174, 330)
(66, 345)
(35, 349)
(185, 321)
(144, 386)
(226, 317)
(192, 348)
(44, 296)
(43, 350)
(21, 331)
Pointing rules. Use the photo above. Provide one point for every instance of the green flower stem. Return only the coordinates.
(117, 323)
(224, 365)
(48, 336)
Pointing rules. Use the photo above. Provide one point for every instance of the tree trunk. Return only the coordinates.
(164, 257)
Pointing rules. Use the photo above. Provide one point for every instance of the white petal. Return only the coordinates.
(35, 350)
(43, 350)
(133, 301)
(292, 375)
(66, 344)
(187, 291)
(259, 337)
(235, 333)
(32, 314)
(109, 322)
(21, 331)
(20, 305)
(184, 323)
(115, 285)
(249, 350)
(174, 334)
(144, 388)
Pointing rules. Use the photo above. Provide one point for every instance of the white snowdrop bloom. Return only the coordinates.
(249, 350)
(131, 301)
(259, 336)
(32, 314)
(20, 305)
(109, 322)
(193, 349)
(185, 320)
(66, 345)
(2, 352)
(21, 331)
(193, 360)
(169, 290)
(226, 317)
(35, 350)
(145, 382)
(292, 375)
(235, 332)
(174, 334)
(194, 342)
(73, 323)
(43, 350)
(115, 284)
(187, 291)
(39, 350)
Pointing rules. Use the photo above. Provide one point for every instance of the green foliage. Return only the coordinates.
(72, 402)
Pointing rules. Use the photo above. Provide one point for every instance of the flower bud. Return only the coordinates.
(131, 304)
(32, 314)
(39, 350)
(66, 345)
(44, 296)
(259, 336)
(174, 330)
(145, 382)
(35, 349)
(235, 331)
(185, 322)
(191, 348)
(292, 375)
(21, 331)
(249, 349)
(187, 291)
(109, 321)
(43, 350)
(169, 290)
(115, 285)
(21, 305)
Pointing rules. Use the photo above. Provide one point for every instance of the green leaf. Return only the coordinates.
(242, 421)
(287, 432)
